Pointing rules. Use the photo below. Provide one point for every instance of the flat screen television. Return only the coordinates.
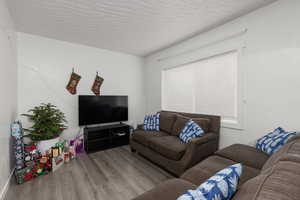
(102, 109)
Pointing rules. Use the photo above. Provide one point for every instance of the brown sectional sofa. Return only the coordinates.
(263, 177)
(165, 148)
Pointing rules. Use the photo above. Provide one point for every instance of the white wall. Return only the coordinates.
(8, 90)
(45, 66)
(270, 64)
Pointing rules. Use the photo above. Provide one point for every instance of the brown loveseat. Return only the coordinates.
(164, 147)
(263, 177)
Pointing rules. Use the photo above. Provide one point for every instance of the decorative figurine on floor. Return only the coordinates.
(97, 84)
(66, 155)
(43, 165)
(73, 82)
(31, 153)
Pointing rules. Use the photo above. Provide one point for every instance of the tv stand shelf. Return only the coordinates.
(105, 137)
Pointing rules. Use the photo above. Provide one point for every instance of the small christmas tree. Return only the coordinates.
(48, 122)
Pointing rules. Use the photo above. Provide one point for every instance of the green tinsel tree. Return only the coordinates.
(48, 122)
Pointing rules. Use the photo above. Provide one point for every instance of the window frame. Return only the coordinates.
(231, 124)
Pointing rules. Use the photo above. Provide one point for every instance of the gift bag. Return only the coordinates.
(77, 145)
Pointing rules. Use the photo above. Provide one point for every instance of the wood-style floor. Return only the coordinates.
(114, 174)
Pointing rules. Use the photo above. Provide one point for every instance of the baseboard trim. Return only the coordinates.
(4, 190)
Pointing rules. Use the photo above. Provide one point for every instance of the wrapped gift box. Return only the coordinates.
(25, 174)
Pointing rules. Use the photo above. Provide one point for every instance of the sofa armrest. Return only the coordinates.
(204, 139)
(199, 149)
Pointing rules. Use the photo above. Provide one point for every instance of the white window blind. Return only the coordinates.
(208, 86)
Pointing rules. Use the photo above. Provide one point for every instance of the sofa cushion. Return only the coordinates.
(168, 190)
(143, 137)
(208, 167)
(168, 146)
(282, 182)
(181, 121)
(244, 154)
(167, 120)
(291, 148)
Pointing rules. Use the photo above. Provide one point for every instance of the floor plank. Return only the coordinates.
(114, 174)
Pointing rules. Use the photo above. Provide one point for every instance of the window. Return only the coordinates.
(208, 86)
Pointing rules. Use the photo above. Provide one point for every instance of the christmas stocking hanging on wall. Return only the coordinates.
(97, 84)
(73, 82)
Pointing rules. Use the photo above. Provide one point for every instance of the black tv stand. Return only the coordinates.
(106, 137)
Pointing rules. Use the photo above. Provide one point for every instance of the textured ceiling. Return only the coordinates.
(137, 27)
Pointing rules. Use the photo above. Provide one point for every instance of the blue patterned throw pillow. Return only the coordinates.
(273, 141)
(262, 142)
(220, 186)
(151, 122)
(190, 131)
